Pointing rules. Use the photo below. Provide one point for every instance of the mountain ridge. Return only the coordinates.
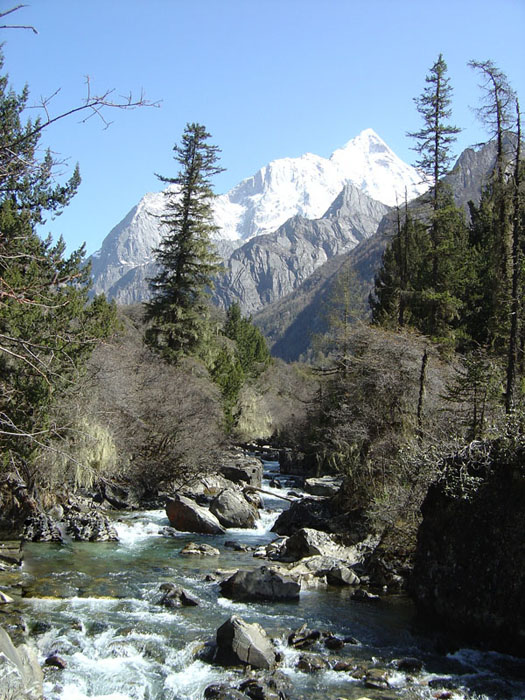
(281, 191)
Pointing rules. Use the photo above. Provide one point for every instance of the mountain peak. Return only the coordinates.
(373, 167)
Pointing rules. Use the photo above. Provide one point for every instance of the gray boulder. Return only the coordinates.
(341, 575)
(21, 677)
(323, 485)
(243, 470)
(89, 526)
(233, 510)
(41, 527)
(239, 642)
(260, 584)
(185, 515)
(308, 542)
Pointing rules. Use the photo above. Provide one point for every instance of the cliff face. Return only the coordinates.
(470, 560)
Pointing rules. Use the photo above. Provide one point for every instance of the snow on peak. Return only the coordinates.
(287, 187)
(373, 167)
(306, 186)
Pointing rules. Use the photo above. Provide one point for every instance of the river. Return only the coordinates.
(96, 605)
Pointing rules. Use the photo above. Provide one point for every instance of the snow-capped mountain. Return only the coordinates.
(307, 186)
(285, 188)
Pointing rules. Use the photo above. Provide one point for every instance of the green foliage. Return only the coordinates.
(252, 350)
(228, 374)
(47, 327)
(434, 140)
(178, 311)
(238, 361)
(477, 389)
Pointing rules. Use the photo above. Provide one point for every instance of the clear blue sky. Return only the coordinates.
(268, 78)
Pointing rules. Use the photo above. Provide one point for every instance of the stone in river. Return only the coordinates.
(223, 692)
(56, 661)
(185, 515)
(239, 642)
(233, 510)
(260, 584)
(201, 549)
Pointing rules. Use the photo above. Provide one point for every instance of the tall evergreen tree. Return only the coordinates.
(447, 232)
(492, 221)
(187, 262)
(435, 139)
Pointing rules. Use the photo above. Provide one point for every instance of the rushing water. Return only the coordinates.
(96, 605)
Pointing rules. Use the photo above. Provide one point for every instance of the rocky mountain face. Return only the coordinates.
(275, 227)
(288, 323)
(269, 267)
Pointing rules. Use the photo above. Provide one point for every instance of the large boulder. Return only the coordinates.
(21, 677)
(206, 486)
(233, 510)
(89, 526)
(260, 584)
(323, 485)
(469, 570)
(185, 515)
(239, 642)
(313, 512)
(41, 527)
(244, 470)
(308, 542)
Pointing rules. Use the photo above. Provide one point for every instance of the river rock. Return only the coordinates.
(175, 597)
(243, 470)
(90, 526)
(376, 678)
(260, 584)
(303, 638)
(312, 663)
(341, 575)
(308, 542)
(312, 512)
(185, 515)
(239, 642)
(232, 510)
(323, 485)
(40, 527)
(200, 550)
(267, 686)
(208, 485)
(56, 661)
(221, 691)
(409, 664)
(333, 643)
(21, 677)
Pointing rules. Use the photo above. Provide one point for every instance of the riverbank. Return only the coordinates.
(98, 607)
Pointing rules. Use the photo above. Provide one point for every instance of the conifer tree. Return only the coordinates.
(447, 232)
(187, 262)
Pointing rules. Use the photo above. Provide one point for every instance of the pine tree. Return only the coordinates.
(252, 349)
(178, 309)
(447, 230)
(498, 222)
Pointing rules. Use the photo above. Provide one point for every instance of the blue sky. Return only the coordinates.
(268, 78)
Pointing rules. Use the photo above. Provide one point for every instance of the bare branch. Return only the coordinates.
(16, 26)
